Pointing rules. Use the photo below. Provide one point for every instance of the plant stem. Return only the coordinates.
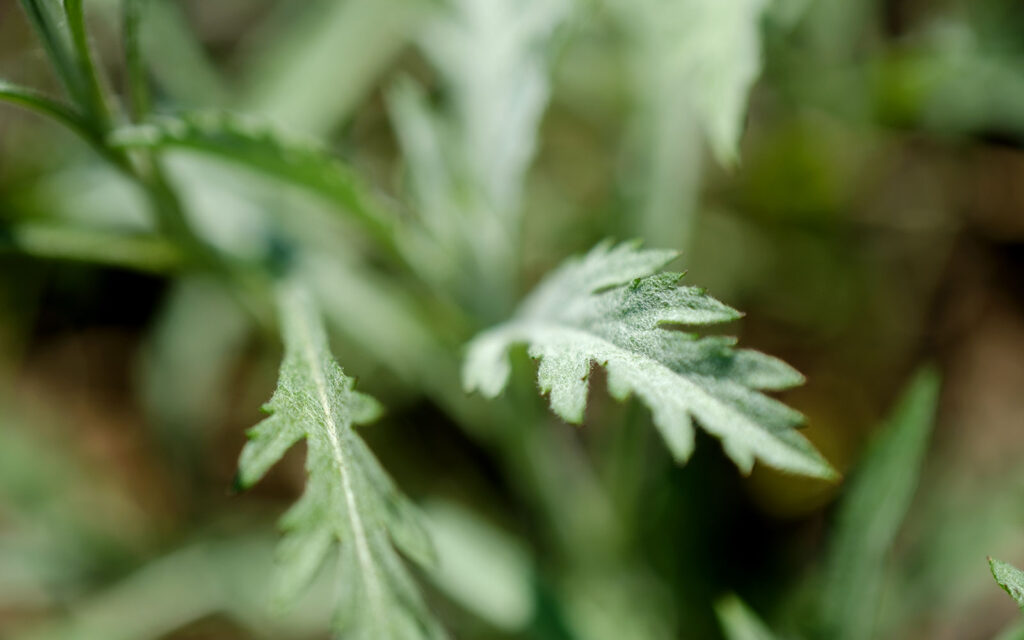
(138, 89)
(139, 252)
(94, 101)
(57, 49)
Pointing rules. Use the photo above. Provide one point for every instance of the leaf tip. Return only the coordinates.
(238, 484)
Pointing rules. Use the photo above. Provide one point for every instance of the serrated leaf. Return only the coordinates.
(467, 162)
(492, 55)
(349, 500)
(1010, 578)
(873, 509)
(610, 307)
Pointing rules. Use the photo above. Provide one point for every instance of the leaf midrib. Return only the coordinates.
(370, 577)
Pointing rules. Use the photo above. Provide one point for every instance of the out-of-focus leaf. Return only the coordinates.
(739, 622)
(616, 601)
(37, 102)
(215, 576)
(694, 62)
(1014, 632)
(492, 55)
(257, 146)
(467, 164)
(61, 519)
(176, 59)
(48, 18)
(612, 307)
(699, 57)
(872, 511)
(479, 566)
(142, 252)
(189, 354)
(298, 79)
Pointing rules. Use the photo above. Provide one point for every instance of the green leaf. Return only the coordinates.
(47, 18)
(176, 59)
(466, 161)
(349, 499)
(255, 144)
(135, 67)
(611, 308)
(35, 101)
(872, 511)
(70, 117)
(699, 57)
(1010, 578)
(481, 567)
(1013, 632)
(93, 101)
(294, 77)
(739, 622)
(141, 252)
(493, 58)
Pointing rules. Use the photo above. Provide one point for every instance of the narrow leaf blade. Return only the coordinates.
(872, 511)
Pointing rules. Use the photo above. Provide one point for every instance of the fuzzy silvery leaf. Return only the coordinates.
(613, 308)
(1010, 578)
(349, 501)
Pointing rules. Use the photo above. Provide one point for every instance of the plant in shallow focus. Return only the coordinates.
(238, 200)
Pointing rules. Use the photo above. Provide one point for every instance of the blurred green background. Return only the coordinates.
(872, 222)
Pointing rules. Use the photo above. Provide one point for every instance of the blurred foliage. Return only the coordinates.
(847, 173)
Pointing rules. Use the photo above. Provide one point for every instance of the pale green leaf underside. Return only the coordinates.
(349, 500)
(700, 60)
(610, 307)
(1010, 578)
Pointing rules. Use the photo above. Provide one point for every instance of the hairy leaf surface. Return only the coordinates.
(611, 307)
(349, 499)
(1010, 578)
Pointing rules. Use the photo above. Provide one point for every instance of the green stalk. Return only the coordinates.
(95, 124)
(57, 49)
(94, 101)
(138, 89)
(139, 252)
(35, 101)
(68, 117)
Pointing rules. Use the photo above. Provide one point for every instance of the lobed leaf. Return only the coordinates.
(349, 499)
(610, 307)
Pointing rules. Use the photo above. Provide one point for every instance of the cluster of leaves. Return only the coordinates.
(459, 239)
